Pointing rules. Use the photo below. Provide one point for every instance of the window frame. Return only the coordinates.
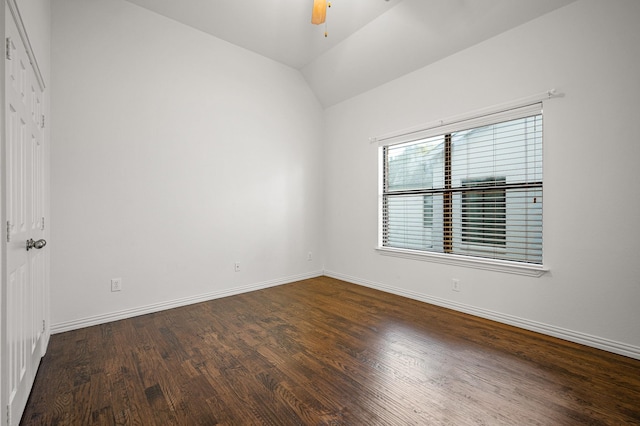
(509, 266)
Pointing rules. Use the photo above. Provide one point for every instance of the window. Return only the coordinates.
(472, 189)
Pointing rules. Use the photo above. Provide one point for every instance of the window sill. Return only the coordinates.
(467, 261)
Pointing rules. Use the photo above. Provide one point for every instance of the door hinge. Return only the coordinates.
(8, 414)
(44, 326)
(42, 123)
(8, 49)
(9, 231)
(42, 226)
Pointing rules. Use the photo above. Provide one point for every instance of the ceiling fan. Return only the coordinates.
(319, 14)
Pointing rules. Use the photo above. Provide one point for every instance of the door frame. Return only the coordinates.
(3, 229)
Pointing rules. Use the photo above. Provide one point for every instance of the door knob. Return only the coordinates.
(35, 244)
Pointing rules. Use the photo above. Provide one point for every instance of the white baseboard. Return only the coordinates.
(157, 307)
(550, 330)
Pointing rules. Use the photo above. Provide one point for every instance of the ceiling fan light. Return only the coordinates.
(319, 12)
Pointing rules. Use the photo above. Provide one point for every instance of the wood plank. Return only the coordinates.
(323, 351)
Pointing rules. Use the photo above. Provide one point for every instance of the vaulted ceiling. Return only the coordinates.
(369, 43)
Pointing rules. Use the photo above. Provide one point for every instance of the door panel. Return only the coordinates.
(26, 273)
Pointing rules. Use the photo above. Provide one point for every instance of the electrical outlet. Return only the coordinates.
(236, 266)
(116, 284)
(310, 256)
(455, 284)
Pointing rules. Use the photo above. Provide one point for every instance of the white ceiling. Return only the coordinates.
(369, 43)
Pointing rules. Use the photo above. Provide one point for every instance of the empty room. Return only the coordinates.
(302, 212)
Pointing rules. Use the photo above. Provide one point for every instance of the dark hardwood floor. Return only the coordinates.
(325, 352)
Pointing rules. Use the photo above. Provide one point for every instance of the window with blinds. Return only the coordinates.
(473, 188)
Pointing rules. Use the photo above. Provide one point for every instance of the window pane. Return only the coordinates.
(510, 150)
(414, 222)
(415, 165)
(513, 233)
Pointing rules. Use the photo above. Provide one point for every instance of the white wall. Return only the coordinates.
(588, 51)
(176, 155)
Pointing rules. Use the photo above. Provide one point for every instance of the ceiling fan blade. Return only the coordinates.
(319, 12)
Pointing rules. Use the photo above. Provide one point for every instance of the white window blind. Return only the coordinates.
(470, 188)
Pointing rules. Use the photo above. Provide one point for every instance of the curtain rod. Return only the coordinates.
(538, 97)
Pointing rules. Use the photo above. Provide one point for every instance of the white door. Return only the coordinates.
(26, 272)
